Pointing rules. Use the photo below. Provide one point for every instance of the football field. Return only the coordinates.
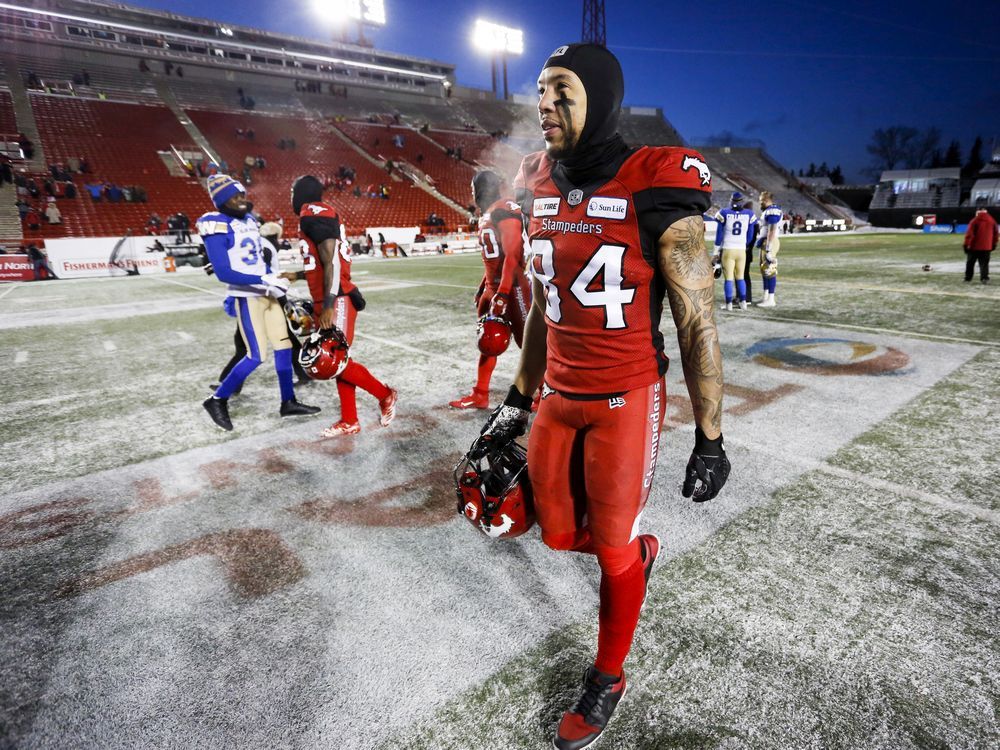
(164, 584)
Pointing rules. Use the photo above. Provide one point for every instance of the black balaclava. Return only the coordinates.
(486, 186)
(600, 144)
(306, 189)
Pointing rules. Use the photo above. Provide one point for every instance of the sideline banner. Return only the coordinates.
(91, 256)
(16, 268)
(945, 229)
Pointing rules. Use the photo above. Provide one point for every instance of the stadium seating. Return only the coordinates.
(320, 152)
(110, 81)
(481, 149)
(752, 171)
(120, 142)
(451, 176)
(8, 124)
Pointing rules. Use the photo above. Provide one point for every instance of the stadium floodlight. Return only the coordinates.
(494, 38)
(360, 11)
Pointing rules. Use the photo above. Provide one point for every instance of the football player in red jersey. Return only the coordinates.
(612, 229)
(504, 291)
(327, 269)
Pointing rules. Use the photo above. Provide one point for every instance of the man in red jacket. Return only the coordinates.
(980, 241)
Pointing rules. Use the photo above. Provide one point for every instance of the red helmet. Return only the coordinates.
(325, 354)
(494, 492)
(494, 335)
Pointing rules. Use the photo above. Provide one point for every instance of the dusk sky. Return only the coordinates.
(811, 80)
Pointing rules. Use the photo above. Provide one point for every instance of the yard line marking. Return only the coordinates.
(189, 286)
(20, 358)
(984, 514)
(184, 336)
(869, 288)
(9, 289)
(110, 346)
(415, 350)
(416, 282)
(917, 334)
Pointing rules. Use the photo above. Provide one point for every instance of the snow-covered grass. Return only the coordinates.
(164, 584)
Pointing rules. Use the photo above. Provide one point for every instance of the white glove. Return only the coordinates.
(716, 263)
(769, 257)
(276, 285)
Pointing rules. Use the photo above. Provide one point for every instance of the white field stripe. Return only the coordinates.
(189, 286)
(20, 358)
(895, 290)
(9, 289)
(873, 329)
(184, 336)
(984, 514)
(416, 282)
(415, 350)
(110, 346)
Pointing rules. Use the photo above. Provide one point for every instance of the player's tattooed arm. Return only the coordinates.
(535, 344)
(687, 271)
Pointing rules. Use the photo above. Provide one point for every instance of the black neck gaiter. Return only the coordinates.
(600, 147)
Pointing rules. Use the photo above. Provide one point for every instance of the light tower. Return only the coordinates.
(593, 22)
(498, 41)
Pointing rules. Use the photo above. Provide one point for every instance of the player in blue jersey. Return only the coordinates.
(735, 223)
(770, 219)
(232, 239)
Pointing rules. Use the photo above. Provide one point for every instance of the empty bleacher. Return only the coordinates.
(450, 176)
(752, 171)
(120, 142)
(481, 150)
(320, 152)
(57, 75)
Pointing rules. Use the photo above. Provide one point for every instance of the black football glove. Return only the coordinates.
(708, 465)
(357, 299)
(505, 424)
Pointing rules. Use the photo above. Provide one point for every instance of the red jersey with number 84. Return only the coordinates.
(595, 252)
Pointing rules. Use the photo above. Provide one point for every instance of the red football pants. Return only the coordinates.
(592, 466)
(355, 375)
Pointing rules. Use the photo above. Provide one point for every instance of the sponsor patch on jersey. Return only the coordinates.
(607, 208)
(546, 206)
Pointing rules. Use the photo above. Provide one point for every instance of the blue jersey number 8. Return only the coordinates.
(737, 228)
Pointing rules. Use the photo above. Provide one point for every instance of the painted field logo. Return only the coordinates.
(829, 356)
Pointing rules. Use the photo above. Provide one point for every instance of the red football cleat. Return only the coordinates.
(473, 401)
(584, 723)
(388, 408)
(341, 428)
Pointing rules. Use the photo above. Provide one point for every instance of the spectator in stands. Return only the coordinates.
(173, 229)
(52, 214)
(980, 241)
(180, 72)
(271, 231)
(357, 191)
(6, 170)
(261, 162)
(154, 224)
(251, 134)
(84, 165)
(96, 190)
(168, 67)
(143, 66)
(139, 193)
(49, 186)
(114, 193)
(32, 220)
(247, 176)
(34, 82)
(420, 158)
(22, 208)
(384, 192)
(184, 225)
(127, 193)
